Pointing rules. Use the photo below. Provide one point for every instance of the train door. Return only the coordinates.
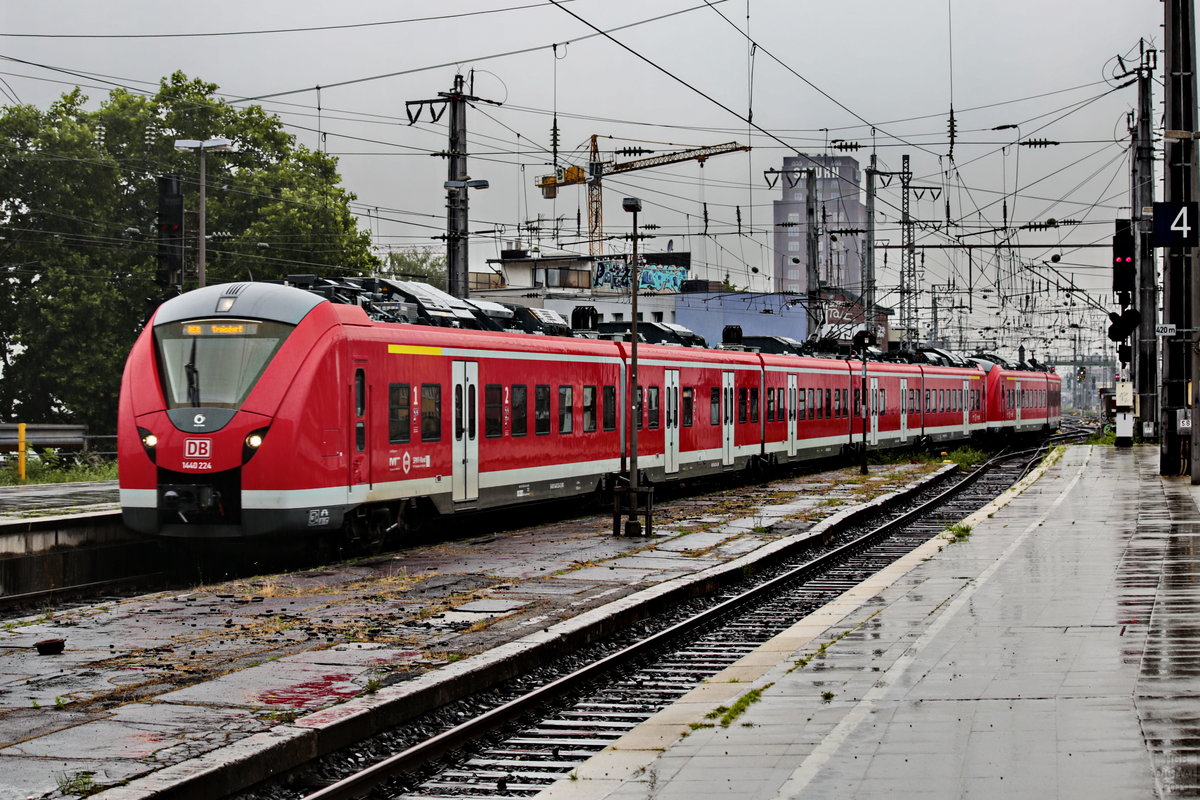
(792, 436)
(465, 451)
(1017, 403)
(966, 406)
(874, 410)
(727, 418)
(903, 409)
(671, 422)
(360, 459)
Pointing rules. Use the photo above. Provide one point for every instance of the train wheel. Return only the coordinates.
(369, 529)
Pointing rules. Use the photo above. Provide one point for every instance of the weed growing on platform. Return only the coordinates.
(77, 783)
(958, 532)
(827, 697)
(282, 716)
(728, 714)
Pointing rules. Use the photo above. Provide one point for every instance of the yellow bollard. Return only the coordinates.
(21, 451)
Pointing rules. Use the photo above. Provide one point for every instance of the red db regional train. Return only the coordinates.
(250, 409)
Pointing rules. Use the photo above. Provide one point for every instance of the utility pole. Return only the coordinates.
(869, 252)
(1179, 449)
(907, 247)
(812, 273)
(908, 261)
(457, 235)
(1145, 350)
(458, 181)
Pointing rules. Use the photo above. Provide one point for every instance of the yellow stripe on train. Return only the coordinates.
(413, 350)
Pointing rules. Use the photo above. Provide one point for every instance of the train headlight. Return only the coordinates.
(149, 444)
(252, 442)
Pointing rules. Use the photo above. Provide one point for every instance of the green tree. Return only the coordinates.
(416, 264)
(78, 202)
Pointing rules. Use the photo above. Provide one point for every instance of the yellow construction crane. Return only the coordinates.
(597, 169)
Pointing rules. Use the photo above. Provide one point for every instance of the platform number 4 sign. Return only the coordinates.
(1176, 225)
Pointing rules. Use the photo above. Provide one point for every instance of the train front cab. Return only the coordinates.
(203, 451)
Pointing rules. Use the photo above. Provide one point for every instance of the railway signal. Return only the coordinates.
(1123, 324)
(170, 232)
(1124, 272)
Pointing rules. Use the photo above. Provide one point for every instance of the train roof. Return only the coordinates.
(266, 301)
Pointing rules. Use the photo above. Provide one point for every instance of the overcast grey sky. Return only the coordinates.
(819, 71)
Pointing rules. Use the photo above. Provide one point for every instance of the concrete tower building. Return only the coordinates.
(839, 206)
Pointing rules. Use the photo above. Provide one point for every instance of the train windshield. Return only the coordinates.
(215, 362)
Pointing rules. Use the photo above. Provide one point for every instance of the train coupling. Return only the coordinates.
(189, 498)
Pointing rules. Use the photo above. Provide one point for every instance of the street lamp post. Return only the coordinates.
(201, 146)
(638, 497)
(634, 205)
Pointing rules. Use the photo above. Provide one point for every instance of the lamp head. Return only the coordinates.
(631, 204)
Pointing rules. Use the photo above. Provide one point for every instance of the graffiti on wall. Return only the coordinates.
(616, 275)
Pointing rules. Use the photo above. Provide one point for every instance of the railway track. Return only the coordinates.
(518, 741)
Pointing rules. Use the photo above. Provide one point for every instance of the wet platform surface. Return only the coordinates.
(52, 499)
(1053, 653)
(229, 677)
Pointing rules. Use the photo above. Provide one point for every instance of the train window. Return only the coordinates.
(360, 392)
(589, 409)
(566, 409)
(714, 406)
(846, 401)
(360, 436)
(688, 404)
(541, 410)
(472, 412)
(812, 405)
(780, 404)
(770, 405)
(829, 403)
(837, 402)
(741, 408)
(458, 413)
(520, 410)
(637, 411)
(754, 404)
(801, 405)
(493, 410)
(399, 413)
(928, 401)
(431, 412)
(610, 408)
(858, 402)
(652, 407)
(226, 358)
(883, 401)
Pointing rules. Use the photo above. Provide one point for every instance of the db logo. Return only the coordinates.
(197, 448)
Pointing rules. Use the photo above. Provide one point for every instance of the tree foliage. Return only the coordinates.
(78, 206)
(416, 264)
